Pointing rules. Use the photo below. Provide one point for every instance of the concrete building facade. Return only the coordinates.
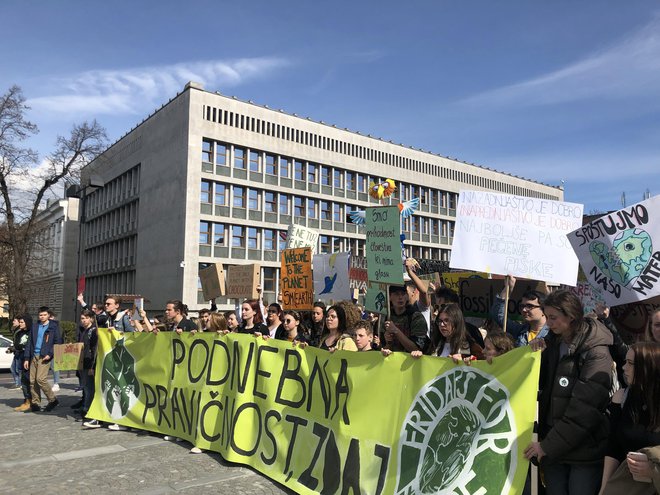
(211, 179)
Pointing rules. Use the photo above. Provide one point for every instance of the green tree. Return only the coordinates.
(19, 209)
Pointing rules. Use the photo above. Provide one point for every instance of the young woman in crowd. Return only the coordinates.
(16, 363)
(293, 331)
(252, 318)
(336, 336)
(635, 426)
(575, 381)
(232, 321)
(274, 321)
(20, 341)
(450, 338)
(318, 322)
(653, 330)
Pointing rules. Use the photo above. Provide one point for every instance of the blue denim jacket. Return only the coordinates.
(519, 331)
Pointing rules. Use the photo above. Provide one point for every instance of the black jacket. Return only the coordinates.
(574, 388)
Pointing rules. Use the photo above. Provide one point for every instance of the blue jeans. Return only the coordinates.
(16, 367)
(572, 479)
(56, 374)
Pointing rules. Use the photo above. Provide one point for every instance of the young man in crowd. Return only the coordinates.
(533, 325)
(406, 328)
(39, 352)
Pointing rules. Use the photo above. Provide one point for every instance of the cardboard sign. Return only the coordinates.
(68, 357)
(299, 236)
(634, 318)
(383, 229)
(451, 280)
(620, 253)
(243, 280)
(331, 276)
(477, 295)
(516, 235)
(357, 273)
(213, 281)
(296, 283)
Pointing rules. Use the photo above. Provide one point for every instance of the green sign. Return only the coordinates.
(376, 298)
(384, 263)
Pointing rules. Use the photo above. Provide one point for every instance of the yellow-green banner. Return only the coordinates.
(347, 422)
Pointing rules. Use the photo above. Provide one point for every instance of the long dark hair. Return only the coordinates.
(341, 320)
(644, 395)
(458, 337)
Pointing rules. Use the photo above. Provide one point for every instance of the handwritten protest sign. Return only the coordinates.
(477, 295)
(357, 273)
(635, 318)
(296, 283)
(451, 280)
(68, 357)
(516, 235)
(213, 281)
(321, 422)
(383, 229)
(298, 236)
(331, 276)
(588, 297)
(242, 281)
(620, 253)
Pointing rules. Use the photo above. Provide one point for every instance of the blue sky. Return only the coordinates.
(551, 91)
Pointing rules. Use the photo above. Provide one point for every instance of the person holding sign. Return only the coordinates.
(253, 321)
(232, 321)
(635, 421)
(406, 328)
(176, 312)
(575, 382)
(534, 325)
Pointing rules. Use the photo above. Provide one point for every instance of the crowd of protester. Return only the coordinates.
(599, 397)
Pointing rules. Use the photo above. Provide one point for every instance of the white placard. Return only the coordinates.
(299, 236)
(516, 235)
(330, 272)
(620, 253)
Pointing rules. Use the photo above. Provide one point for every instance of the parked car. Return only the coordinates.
(5, 358)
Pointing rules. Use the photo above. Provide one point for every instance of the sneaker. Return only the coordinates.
(171, 438)
(35, 407)
(195, 450)
(92, 423)
(16, 387)
(56, 387)
(51, 405)
(116, 427)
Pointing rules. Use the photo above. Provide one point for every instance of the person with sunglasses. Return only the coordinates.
(293, 328)
(533, 325)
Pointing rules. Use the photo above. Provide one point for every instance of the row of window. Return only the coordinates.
(217, 193)
(126, 186)
(112, 255)
(116, 222)
(118, 282)
(241, 236)
(253, 124)
(312, 173)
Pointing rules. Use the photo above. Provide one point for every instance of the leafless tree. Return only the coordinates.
(19, 208)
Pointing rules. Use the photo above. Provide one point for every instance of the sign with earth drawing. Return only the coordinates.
(620, 253)
(299, 416)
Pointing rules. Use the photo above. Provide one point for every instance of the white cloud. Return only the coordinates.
(132, 91)
(629, 69)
